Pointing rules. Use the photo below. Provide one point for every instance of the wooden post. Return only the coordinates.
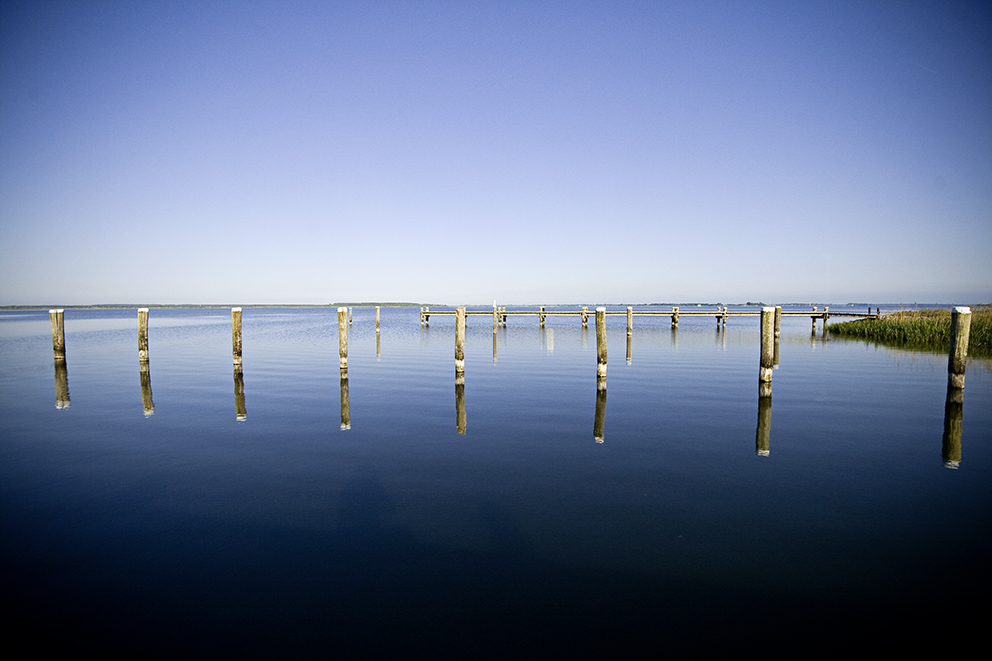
(778, 322)
(143, 335)
(675, 317)
(585, 317)
(957, 359)
(826, 316)
(767, 350)
(494, 328)
(460, 340)
(541, 316)
(601, 348)
(630, 321)
(421, 316)
(813, 317)
(343, 338)
(427, 316)
(236, 334)
(503, 313)
(351, 312)
(377, 320)
(58, 333)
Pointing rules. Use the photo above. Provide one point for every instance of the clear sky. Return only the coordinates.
(531, 152)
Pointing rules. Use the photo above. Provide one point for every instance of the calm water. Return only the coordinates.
(181, 515)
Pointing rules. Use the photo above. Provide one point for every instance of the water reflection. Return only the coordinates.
(630, 339)
(598, 424)
(239, 393)
(950, 450)
(146, 389)
(345, 404)
(762, 438)
(460, 420)
(61, 385)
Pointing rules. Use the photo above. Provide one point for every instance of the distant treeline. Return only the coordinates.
(922, 329)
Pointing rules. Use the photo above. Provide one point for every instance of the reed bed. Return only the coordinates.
(921, 329)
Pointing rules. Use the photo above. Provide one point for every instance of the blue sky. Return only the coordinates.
(531, 152)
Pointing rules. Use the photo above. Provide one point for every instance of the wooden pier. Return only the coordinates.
(722, 314)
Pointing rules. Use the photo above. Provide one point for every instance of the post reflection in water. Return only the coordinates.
(762, 438)
(953, 416)
(239, 393)
(460, 420)
(378, 345)
(630, 339)
(146, 389)
(494, 347)
(675, 337)
(345, 405)
(61, 385)
(598, 424)
(551, 341)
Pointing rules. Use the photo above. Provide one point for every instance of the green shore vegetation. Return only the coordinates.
(928, 330)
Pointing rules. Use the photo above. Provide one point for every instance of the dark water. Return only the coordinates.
(153, 518)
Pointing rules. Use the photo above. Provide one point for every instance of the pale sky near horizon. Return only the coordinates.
(460, 152)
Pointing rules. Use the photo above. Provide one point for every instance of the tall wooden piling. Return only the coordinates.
(343, 338)
(813, 317)
(143, 335)
(236, 334)
(460, 340)
(58, 333)
(377, 320)
(351, 313)
(767, 350)
(585, 317)
(495, 318)
(630, 321)
(675, 317)
(778, 330)
(601, 348)
(541, 316)
(957, 359)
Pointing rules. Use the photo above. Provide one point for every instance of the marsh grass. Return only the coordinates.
(922, 329)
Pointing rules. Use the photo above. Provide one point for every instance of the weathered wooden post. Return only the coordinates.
(630, 320)
(495, 322)
(236, 334)
(503, 312)
(957, 359)
(377, 320)
(813, 317)
(58, 333)
(762, 437)
(421, 316)
(778, 330)
(826, 317)
(585, 317)
(675, 317)
(601, 348)
(427, 316)
(460, 340)
(460, 420)
(345, 404)
(351, 313)
(541, 316)
(240, 412)
(767, 352)
(143, 335)
(343, 338)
